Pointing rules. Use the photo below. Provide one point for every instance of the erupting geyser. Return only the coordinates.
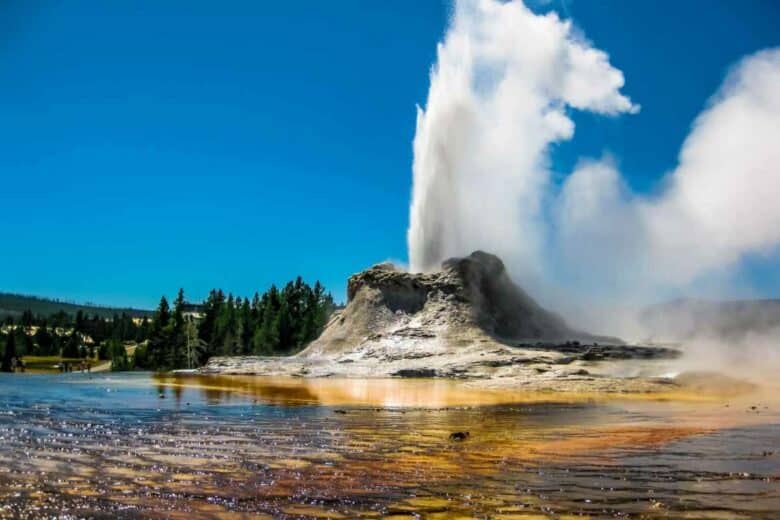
(499, 92)
(502, 91)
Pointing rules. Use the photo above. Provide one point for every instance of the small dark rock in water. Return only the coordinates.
(343, 412)
(459, 436)
(415, 372)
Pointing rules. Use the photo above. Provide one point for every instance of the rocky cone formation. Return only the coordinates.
(469, 300)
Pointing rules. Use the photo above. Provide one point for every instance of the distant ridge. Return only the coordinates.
(15, 304)
(684, 319)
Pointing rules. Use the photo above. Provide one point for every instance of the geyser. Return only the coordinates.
(501, 91)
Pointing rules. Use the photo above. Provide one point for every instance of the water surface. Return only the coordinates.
(137, 445)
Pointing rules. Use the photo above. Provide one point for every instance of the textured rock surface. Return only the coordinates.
(470, 299)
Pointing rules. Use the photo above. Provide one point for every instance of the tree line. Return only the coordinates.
(278, 322)
(61, 334)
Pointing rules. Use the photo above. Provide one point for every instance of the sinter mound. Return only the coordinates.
(471, 298)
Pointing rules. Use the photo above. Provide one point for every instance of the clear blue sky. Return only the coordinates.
(148, 145)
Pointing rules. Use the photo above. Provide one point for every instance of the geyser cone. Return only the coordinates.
(470, 300)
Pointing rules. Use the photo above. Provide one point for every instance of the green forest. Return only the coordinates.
(178, 335)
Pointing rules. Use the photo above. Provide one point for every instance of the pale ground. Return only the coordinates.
(483, 364)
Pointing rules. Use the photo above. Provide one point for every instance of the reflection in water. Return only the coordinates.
(220, 445)
(384, 393)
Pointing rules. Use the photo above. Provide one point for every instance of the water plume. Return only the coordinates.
(501, 93)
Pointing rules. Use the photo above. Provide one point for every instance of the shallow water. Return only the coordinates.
(108, 446)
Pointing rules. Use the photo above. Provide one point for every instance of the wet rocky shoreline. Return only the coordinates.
(568, 366)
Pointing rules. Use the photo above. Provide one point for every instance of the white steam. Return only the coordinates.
(720, 203)
(499, 92)
(504, 81)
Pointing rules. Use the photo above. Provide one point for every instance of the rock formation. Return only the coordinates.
(469, 299)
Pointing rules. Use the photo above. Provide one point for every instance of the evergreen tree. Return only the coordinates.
(118, 355)
(60, 319)
(45, 341)
(245, 328)
(178, 309)
(9, 353)
(163, 313)
(178, 340)
(25, 345)
(27, 319)
(207, 326)
(80, 319)
(158, 349)
(142, 332)
(72, 346)
(225, 329)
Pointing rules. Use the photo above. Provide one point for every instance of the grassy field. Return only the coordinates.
(48, 363)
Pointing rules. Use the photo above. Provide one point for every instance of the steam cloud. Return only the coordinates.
(500, 93)
(498, 97)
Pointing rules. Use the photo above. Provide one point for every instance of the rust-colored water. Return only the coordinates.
(393, 393)
(244, 447)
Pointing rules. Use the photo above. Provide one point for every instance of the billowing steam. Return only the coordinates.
(719, 204)
(500, 93)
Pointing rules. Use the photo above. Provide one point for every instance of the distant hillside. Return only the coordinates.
(730, 320)
(15, 304)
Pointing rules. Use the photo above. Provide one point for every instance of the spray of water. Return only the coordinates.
(501, 93)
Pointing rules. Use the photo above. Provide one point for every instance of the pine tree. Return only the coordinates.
(178, 308)
(245, 328)
(159, 342)
(226, 329)
(266, 338)
(9, 353)
(80, 319)
(163, 314)
(142, 332)
(178, 338)
(45, 341)
(72, 346)
(26, 344)
(207, 326)
(118, 355)
(27, 319)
